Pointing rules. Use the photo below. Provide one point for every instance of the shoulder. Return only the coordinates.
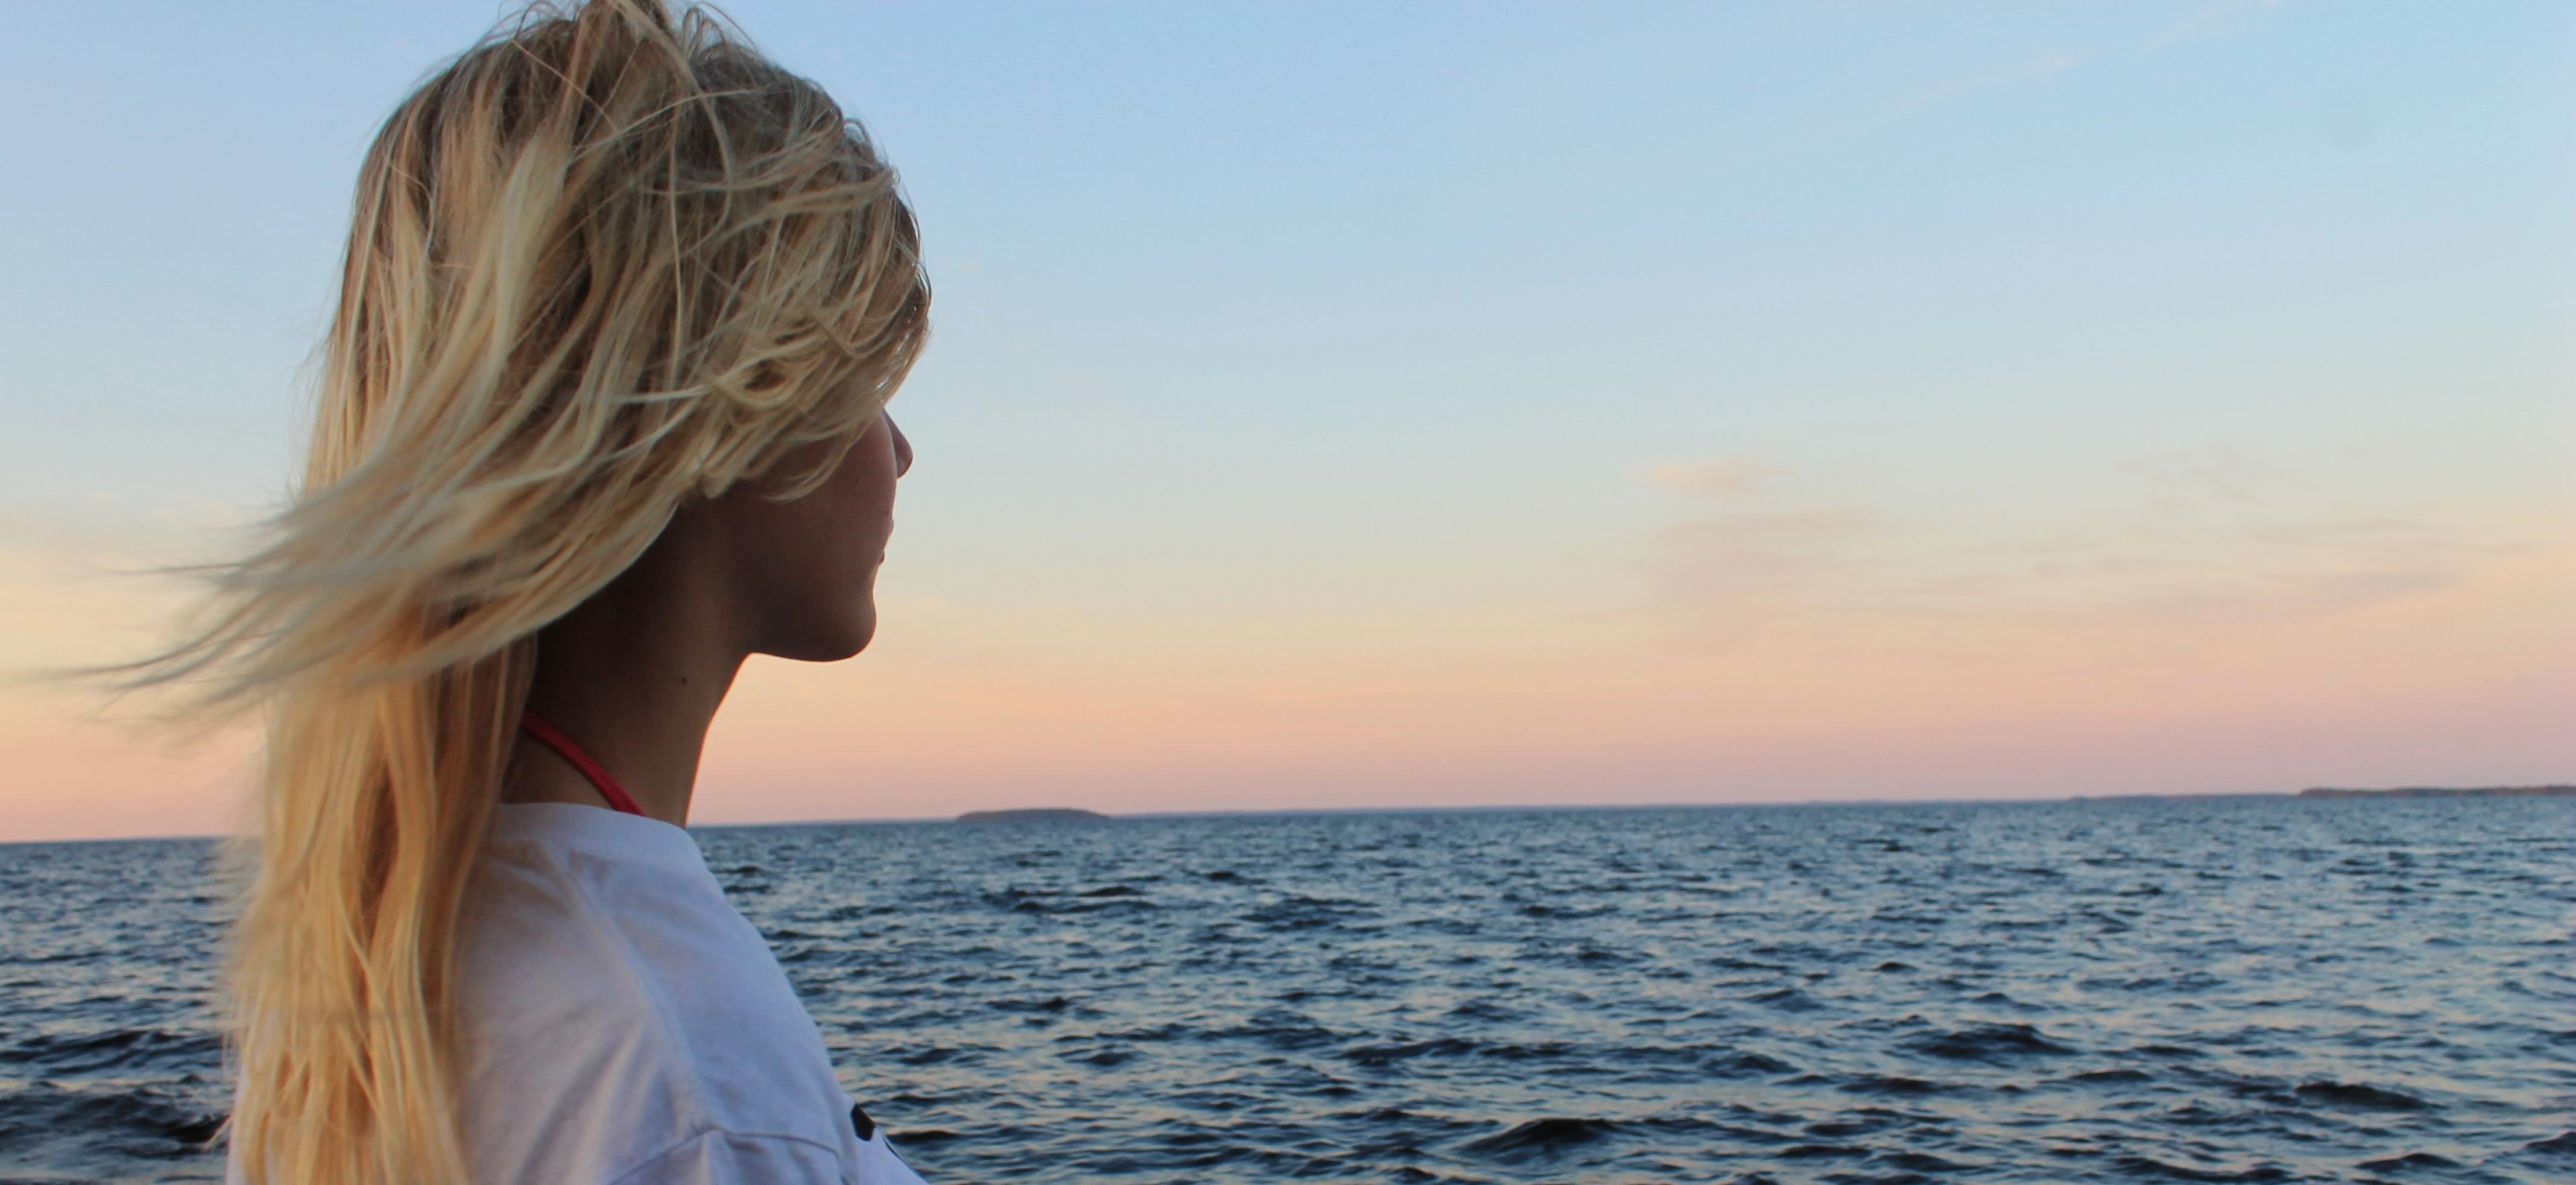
(615, 1014)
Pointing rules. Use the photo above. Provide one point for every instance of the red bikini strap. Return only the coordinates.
(554, 739)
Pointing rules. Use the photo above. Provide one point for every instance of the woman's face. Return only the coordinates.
(803, 573)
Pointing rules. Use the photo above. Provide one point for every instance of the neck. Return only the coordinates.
(634, 676)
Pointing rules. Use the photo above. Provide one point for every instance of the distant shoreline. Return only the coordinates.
(2442, 792)
(1039, 814)
(1077, 814)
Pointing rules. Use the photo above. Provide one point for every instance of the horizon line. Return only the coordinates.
(1494, 808)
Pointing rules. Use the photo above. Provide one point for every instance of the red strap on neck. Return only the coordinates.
(554, 739)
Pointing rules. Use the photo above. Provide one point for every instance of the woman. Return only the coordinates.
(601, 414)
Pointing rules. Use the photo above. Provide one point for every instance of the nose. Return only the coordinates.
(902, 448)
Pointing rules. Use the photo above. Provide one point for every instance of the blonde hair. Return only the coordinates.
(607, 260)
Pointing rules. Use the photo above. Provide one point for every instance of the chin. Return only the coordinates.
(853, 641)
(831, 642)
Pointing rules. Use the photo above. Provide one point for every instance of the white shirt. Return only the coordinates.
(624, 1025)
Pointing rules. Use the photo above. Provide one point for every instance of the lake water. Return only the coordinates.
(2214, 990)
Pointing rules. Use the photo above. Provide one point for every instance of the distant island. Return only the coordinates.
(1041, 814)
(2443, 792)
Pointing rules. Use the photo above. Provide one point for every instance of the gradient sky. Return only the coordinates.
(1445, 404)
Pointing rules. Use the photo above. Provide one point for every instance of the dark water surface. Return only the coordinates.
(2227, 990)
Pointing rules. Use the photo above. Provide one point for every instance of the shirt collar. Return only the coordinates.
(598, 830)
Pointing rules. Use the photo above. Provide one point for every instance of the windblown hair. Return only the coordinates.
(608, 260)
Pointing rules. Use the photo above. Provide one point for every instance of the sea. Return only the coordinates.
(2246, 989)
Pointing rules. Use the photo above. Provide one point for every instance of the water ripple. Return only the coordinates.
(2237, 990)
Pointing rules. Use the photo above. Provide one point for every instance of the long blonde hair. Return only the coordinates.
(609, 259)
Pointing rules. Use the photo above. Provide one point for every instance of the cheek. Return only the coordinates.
(835, 550)
(842, 534)
(815, 598)
(851, 513)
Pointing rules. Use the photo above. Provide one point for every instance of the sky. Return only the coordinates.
(1360, 405)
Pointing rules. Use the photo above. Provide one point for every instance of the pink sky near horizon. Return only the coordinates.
(2465, 680)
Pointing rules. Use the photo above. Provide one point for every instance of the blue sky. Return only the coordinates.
(1302, 337)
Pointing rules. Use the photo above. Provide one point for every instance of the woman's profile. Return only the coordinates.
(601, 412)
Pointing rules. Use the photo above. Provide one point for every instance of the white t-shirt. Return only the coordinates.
(624, 1025)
